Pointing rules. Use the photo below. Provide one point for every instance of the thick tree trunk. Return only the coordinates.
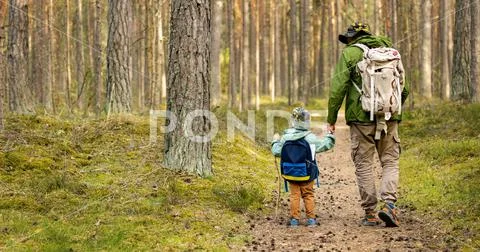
(426, 50)
(461, 77)
(17, 58)
(216, 44)
(118, 60)
(189, 87)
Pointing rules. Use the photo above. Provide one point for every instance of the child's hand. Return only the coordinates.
(276, 137)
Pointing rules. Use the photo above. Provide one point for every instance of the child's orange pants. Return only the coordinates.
(305, 191)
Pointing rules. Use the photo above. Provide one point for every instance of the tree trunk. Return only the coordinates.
(17, 58)
(146, 57)
(80, 57)
(277, 54)
(461, 77)
(445, 69)
(160, 55)
(245, 57)
(232, 53)
(293, 50)
(97, 61)
(3, 67)
(475, 51)
(118, 61)
(426, 50)
(305, 52)
(68, 64)
(271, 51)
(216, 44)
(253, 57)
(50, 71)
(189, 86)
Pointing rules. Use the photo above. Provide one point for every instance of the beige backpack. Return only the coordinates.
(382, 81)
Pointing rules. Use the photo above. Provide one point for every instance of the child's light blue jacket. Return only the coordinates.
(321, 144)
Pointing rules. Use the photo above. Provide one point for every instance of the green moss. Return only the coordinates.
(439, 168)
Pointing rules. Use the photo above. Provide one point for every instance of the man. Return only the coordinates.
(363, 130)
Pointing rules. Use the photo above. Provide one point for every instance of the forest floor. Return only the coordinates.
(339, 214)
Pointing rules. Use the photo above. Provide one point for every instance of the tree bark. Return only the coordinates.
(293, 50)
(277, 48)
(160, 54)
(461, 77)
(445, 69)
(3, 67)
(426, 50)
(216, 44)
(189, 86)
(97, 61)
(118, 60)
(68, 64)
(475, 51)
(232, 53)
(79, 55)
(245, 67)
(49, 106)
(17, 58)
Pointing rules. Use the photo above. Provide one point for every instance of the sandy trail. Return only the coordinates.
(339, 214)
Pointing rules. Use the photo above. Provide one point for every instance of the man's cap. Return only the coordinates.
(353, 30)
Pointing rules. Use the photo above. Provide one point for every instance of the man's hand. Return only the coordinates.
(276, 137)
(331, 128)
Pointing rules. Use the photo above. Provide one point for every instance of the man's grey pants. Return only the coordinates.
(364, 146)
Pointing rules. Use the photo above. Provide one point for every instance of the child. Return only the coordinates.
(300, 129)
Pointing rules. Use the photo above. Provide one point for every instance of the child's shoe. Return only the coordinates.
(311, 222)
(293, 222)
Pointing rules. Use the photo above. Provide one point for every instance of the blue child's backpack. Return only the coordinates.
(297, 162)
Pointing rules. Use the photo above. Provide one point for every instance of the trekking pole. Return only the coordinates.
(278, 189)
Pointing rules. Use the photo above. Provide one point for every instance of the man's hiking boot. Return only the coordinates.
(311, 222)
(389, 215)
(293, 222)
(370, 219)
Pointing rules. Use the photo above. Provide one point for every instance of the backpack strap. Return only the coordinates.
(363, 47)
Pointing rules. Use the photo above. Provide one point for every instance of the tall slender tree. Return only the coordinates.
(189, 87)
(119, 93)
(232, 54)
(97, 61)
(3, 68)
(475, 51)
(445, 70)
(426, 49)
(217, 10)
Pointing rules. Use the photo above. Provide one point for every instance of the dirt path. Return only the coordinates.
(339, 213)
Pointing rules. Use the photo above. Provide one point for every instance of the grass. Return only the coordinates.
(440, 170)
(86, 184)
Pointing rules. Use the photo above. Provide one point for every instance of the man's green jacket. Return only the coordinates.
(342, 85)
